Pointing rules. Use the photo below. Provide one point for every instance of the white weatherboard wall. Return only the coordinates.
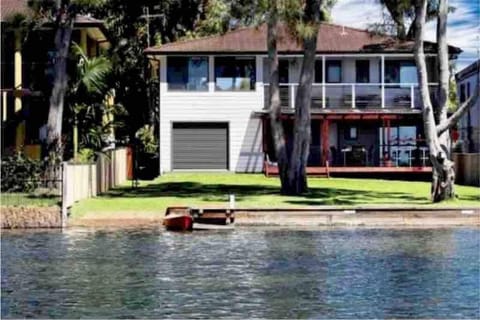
(235, 108)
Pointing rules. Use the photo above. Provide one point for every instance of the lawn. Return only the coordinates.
(255, 190)
(25, 199)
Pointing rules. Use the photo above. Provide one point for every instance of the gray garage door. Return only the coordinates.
(200, 146)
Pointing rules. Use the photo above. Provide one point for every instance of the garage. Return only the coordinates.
(200, 146)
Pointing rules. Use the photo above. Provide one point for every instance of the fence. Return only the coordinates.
(83, 181)
(467, 168)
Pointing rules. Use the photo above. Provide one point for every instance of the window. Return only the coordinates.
(398, 146)
(283, 71)
(318, 71)
(462, 93)
(351, 133)
(235, 74)
(187, 73)
(334, 71)
(401, 72)
(362, 71)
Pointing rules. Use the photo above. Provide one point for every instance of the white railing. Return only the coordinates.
(354, 95)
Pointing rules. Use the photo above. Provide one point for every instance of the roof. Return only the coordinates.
(468, 71)
(11, 7)
(331, 39)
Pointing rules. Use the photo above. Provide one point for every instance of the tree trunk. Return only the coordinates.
(297, 176)
(274, 97)
(55, 116)
(443, 176)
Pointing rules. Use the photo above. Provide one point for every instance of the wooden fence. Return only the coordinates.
(83, 181)
(467, 168)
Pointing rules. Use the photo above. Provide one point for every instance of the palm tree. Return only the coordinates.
(90, 79)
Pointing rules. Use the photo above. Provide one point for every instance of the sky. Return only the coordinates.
(463, 24)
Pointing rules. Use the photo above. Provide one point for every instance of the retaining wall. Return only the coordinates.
(30, 217)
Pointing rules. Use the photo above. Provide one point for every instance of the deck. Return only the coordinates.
(272, 170)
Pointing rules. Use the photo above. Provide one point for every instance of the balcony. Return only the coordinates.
(363, 96)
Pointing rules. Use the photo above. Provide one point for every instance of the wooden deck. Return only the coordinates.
(272, 170)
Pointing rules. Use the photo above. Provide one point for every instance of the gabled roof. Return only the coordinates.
(331, 39)
(468, 70)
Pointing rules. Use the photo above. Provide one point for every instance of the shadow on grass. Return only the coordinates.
(218, 192)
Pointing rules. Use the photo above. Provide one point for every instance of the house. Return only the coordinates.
(469, 125)
(27, 74)
(366, 113)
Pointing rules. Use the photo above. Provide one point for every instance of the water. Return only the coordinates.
(246, 273)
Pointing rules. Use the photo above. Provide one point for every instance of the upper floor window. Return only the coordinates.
(362, 68)
(283, 71)
(462, 93)
(235, 73)
(318, 71)
(187, 73)
(334, 71)
(400, 72)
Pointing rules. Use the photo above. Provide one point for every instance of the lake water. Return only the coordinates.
(245, 273)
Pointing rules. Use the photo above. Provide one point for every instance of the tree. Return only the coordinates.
(62, 13)
(90, 79)
(305, 27)
(435, 118)
(401, 14)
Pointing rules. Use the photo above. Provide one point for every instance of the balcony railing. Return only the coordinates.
(353, 95)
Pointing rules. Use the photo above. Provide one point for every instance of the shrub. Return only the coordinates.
(20, 174)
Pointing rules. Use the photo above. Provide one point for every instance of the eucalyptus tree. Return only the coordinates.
(436, 120)
(303, 19)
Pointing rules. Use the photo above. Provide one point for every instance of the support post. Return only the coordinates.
(4, 106)
(324, 141)
(382, 78)
(353, 96)
(324, 104)
(412, 96)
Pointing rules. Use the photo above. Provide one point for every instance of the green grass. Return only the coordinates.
(255, 190)
(33, 200)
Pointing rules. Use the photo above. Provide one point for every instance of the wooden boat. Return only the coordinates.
(178, 219)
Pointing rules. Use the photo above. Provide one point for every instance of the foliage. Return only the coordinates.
(399, 16)
(86, 155)
(147, 138)
(20, 173)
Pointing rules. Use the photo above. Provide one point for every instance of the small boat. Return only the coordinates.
(178, 219)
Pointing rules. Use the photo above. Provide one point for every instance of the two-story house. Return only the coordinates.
(27, 64)
(468, 80)
(366, 113)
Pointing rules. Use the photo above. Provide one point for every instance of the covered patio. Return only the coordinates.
(356, 143)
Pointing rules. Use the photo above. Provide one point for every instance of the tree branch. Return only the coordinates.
(453, 119)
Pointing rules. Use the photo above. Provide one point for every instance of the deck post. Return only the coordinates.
(324, 141)
(382, 79)
(324, 105)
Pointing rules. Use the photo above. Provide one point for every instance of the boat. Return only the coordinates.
(178, 219)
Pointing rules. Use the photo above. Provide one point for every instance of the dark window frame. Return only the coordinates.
(318, 77)
(358, 65)
(333, 63)
(253, 79)
(187, 59)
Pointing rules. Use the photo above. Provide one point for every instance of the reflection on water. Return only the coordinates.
(260, 273)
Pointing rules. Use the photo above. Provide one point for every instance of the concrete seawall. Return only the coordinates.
(325, 217)
(359, 218)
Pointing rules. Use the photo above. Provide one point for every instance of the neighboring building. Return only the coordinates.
(27, 75)
(366, 113)
(469, 125)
